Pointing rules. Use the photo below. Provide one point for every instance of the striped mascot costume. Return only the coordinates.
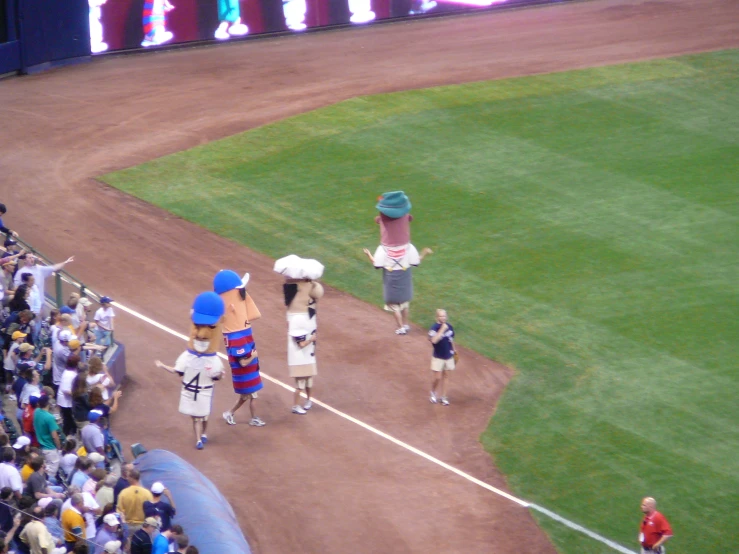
(237, 334)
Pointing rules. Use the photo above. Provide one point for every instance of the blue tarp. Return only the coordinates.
(203, 512)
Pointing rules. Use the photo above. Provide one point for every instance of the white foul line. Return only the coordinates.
(404, 445)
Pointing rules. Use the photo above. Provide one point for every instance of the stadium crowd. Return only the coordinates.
(64, 484)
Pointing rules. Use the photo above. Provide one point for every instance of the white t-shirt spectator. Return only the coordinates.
(65, 384)
(35, 300)
(104, 318)
(100, 379)
(67, 463)
(10, 477)
(29, 390)
(40, 272)
(60, 353)
(9, 363)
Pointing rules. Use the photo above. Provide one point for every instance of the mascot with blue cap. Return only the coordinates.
(240, 346)
(199, 366)
(396, 255)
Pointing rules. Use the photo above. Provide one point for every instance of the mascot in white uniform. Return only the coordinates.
(199, 366)
(302, 292)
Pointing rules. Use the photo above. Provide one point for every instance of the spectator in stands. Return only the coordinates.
(192, 550)
(47, 434)
(181, 543)
(61, 353)
(69, 456)
(51, 520)
(54, 326)
(40, 272)
(98, 376)
(131, 502)
(72, 521)
(122, 483)
(79, 308)
(97, 475)
(64, 397)
(158, 507)
(104, 494)
(28, 412)
(3, 228)
(37, 537)
(37, 487)
(80, 399)
(6, 510)
(20, 299)
(90, 510)
(161, 542)
(9, 474)
(109, 531)
(6, 280)
(106, 407)
(11, 358)
(17, 321)
(142, 541)
(35, 301)
(26, 470)
(92, 434)
(104, 321)
(32, 387)
(21, 447)
(82, 472)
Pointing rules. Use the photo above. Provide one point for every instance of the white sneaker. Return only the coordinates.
(222, 32)
(407, 327)
(308, 405)
(229, 417)
(444, 401)
(256, 422)
(432, 398)
(238, 30)
(299, 410)
(401, 331)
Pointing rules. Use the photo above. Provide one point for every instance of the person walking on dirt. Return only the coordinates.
(441, 336)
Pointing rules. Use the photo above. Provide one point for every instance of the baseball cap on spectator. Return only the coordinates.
(25, 347)
(66, 310)
(65, 335)
(94, 415)
(33, 400)
(21, 442)
(44, 502)
(84, 301)
(157, 488)
(18, 335)
(74, 344)
(112, 547)
(112, 520)
(105, 300)
(10, 241)
(152, 522)
(95, 457)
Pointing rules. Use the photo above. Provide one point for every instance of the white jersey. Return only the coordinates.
(199, 371)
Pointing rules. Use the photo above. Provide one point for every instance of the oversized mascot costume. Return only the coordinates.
(199, 366)
(302, 292)
(396, 256)
(229, 20)
(240, 313)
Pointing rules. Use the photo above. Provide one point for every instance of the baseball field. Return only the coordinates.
(574, 168)
(585, 233)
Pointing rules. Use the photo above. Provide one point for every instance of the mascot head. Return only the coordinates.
(394, 219)
(301, 289)
(240, 308)
(206, 316)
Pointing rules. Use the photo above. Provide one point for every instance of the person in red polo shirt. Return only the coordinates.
(655, 529)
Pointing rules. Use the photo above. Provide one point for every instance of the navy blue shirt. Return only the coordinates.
(162, 509)
(444, 349)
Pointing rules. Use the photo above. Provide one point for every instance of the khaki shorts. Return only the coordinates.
(437, 364)
(302, 382)
(397, 307)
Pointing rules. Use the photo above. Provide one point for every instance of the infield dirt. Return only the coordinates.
(316, 483)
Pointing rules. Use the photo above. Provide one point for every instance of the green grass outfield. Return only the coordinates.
(585, 228)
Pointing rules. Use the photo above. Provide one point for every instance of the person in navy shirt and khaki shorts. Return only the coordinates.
(441, 335)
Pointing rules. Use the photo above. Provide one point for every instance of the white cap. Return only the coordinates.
(95, 457)
(21, 442)
(44, 502)
(65, 335)
(157, 488)
(111, 519)
(112, 547)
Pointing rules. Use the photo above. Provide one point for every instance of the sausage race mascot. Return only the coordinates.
(302, 292)
(396, 256)
(242, 354)
(199, 366)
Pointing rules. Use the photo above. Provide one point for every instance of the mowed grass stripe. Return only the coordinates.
(585, 228)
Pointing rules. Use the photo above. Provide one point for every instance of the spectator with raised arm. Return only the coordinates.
(3, 228)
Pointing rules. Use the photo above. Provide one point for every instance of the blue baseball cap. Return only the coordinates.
(226, 280)
(207, 309)
(66, 310)
(105, 300)
(94, 415)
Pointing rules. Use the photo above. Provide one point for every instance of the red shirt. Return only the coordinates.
(653, 528)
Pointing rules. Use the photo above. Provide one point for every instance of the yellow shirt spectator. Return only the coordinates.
(73, 524)
(131, 503)
(26, 472)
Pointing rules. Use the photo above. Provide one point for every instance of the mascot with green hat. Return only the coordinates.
(396, 256)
